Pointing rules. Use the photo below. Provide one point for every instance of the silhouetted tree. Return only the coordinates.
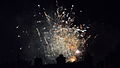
(37, 61)
(60, 59)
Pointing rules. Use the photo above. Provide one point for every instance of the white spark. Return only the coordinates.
(81, 35)
(81, 11)
(38, 5)
(38, 21)
(38, 32)
(17, 27)
(45, 40)
(72, 5)
(20, 48)
(44, 28)
(19, 36)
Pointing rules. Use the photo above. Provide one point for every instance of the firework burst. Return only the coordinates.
(61, 36)
(57, 35)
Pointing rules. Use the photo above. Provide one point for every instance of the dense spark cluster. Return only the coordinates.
(61, 38)
(57, 35)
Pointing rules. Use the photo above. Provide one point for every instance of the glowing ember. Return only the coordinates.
(72, 59)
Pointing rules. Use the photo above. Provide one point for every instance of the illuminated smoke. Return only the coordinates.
(57, 35)
(60, 36)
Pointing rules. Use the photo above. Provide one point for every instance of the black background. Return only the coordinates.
(99, 13)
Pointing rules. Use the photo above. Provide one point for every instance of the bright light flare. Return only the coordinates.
(78, 52)
(72, 59)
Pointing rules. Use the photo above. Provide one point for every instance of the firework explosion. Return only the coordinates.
(57, 35)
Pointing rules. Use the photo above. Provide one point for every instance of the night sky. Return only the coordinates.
(97, 13)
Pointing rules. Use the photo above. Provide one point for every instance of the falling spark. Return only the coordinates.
(38, 32)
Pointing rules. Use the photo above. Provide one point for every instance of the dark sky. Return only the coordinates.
(99, 13)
